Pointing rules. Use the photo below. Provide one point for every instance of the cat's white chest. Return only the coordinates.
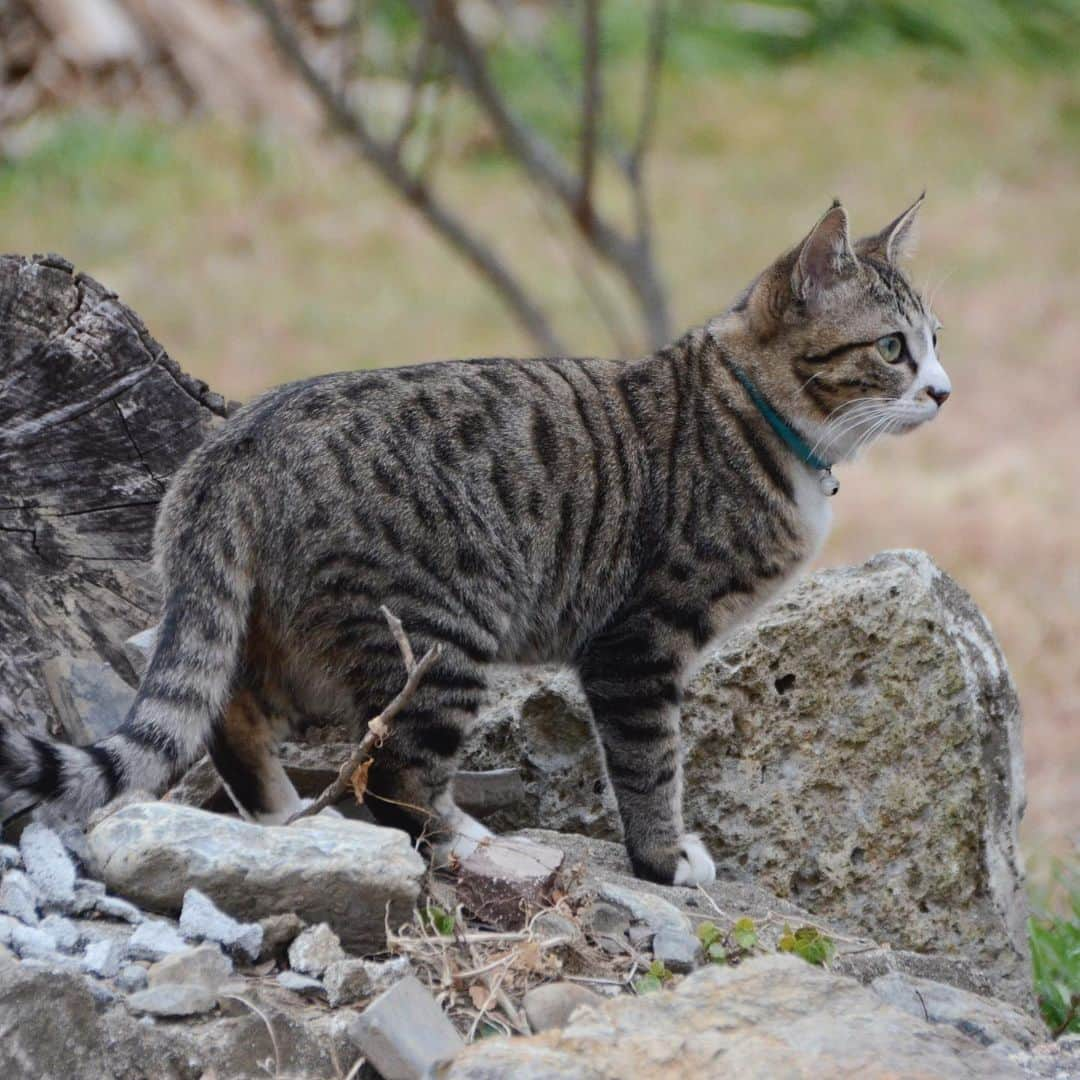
(815, 508)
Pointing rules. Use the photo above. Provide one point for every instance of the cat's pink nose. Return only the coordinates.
(940, 396)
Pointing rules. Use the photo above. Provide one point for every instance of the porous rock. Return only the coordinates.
(48, 864)
(200, 919)
(131, 978)
(315, 950)
(64, 932)
(103, 958)
(300, 984)
(346, 981)
(770, 1016)
(856, 750)
(328, 869)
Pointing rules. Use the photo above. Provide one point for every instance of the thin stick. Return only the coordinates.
(377, 726)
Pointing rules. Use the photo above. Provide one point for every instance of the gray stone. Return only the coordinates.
(74, 1037)
(346, 981)
(87, 894)
(138, 647)
(31, 942)
(403, 1032)
(200, 919)
(172, 999)
(300, 984)
(20, 897)
(677, 951)
(507, 878)
(113, 907)
(769, 1017)
(384, 973)
(103, 958)
(551, 1005)
(980, 1018)
(549, 925)
(327, 869)
(154, 940)
(205, 966)
(315, 950)
(64, 932)
(279, 931)
(7, 928)
(9, 857)
(654, 911)
(131, 978)
(855, 750)
(602, 920)
(90, 699)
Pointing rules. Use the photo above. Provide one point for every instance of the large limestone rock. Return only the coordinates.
(856, 750)
(352, 875)
(773, 1016)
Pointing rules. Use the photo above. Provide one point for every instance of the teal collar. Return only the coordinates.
(794, 441)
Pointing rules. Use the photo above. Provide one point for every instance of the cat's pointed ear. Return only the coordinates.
(897, 240)
(824, 257)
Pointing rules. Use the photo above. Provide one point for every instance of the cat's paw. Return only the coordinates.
(462, 838)
(695, 865)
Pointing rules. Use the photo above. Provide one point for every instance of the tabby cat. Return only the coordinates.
(614, 516)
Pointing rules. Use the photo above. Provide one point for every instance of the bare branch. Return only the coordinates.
(542, 163)
(421, 64)
(378, 728)
(654, 61)
(590, 112)
(390, 166)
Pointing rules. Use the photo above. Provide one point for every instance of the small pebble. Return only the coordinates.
(47, 863)
(132, 978)
(300, 984)
(678, 952)
(20, 897)
(30, 942)
(550, 1006)
(346, 981)
(112, 907)
(172, 999)
(103, 958)
(10, 857)
(315, 950)
(383, 974)
(64, 931)
(201, 919)
(154, 940)
(205, 965)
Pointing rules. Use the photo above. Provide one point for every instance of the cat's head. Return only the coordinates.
(842, 342)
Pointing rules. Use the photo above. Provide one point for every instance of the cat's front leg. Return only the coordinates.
(632, 679)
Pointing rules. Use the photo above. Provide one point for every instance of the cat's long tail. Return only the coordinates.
(188, 680)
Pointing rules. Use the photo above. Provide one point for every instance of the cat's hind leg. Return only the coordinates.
(244, 751)
(631, 677)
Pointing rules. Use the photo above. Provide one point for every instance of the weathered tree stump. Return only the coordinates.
(94, 418)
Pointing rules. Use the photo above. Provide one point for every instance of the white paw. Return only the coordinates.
(695, 866)
(463, 837)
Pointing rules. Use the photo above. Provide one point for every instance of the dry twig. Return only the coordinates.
(359, 760)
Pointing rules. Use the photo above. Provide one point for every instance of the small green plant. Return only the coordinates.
(653, 979)
(712, 941)
(442, 922)
(744, 933)
(809, 943)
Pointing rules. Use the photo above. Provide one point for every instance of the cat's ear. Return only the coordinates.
(824, 257)
(897, 240)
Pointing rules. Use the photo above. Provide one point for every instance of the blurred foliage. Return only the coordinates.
(1054, 934)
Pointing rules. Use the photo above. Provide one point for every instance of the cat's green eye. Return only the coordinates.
(890, 347)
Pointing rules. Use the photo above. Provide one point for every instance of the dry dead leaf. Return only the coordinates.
(359, 779)
(479, 995)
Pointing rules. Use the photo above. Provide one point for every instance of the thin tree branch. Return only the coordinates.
(378, 726)
(416, 86)
(390, 166)
(590, 112)
(635, 171)
(543, 164)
